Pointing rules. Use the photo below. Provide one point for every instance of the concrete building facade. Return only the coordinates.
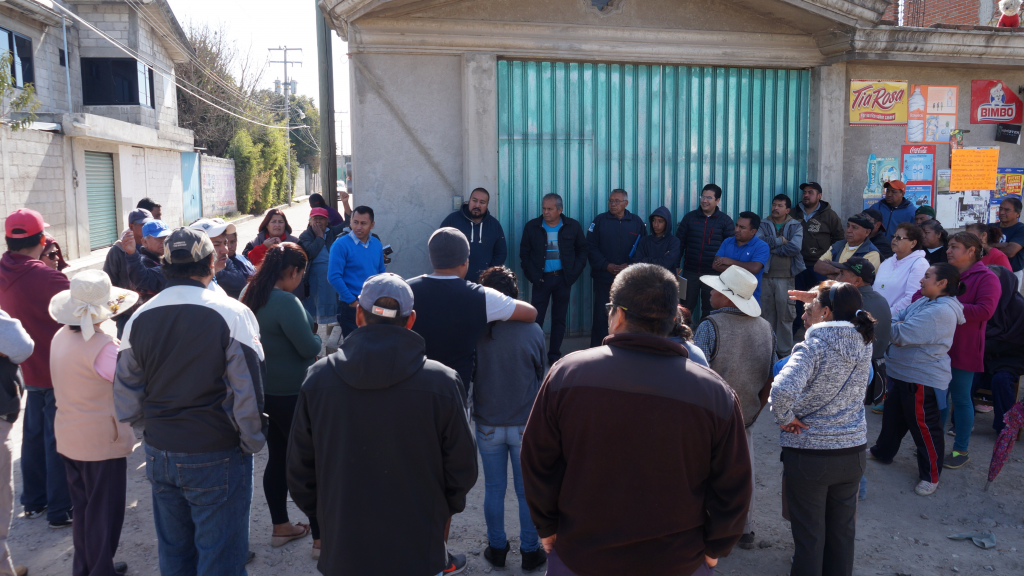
(119, 126)
(437, 87)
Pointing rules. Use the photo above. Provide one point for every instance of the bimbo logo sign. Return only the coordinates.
(992, 102)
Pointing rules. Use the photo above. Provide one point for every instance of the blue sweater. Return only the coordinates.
(351, 264)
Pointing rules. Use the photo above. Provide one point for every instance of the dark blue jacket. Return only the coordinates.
(663, 251)
(701, 236)
(891, 218)
(611, 241)
(486, 240)
(572, 249)
(863, 249)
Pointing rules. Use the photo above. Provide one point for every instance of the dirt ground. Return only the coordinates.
(898, 532)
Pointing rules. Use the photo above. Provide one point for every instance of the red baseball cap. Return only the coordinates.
(30, 221)
(319, 212)
(897, 184)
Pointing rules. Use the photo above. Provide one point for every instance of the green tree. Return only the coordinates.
(14, 100)
(303, 112)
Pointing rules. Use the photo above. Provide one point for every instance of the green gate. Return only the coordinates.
(659, 132)
(99, 189)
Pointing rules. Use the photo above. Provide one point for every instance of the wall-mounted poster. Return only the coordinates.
(1009, 183)
(919, 173)
(931, 114)
(880, 171)
(878, 102)
(974, 168)
(993, 102)
(961, 209)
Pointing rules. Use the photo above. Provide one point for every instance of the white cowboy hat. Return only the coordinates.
(90, 300)
(738, 285)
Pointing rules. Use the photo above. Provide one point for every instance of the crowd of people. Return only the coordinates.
(218, 354)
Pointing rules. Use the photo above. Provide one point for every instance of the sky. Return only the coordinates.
(262, 24)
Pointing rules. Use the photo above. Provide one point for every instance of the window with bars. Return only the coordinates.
(21, 65)
(116, 81)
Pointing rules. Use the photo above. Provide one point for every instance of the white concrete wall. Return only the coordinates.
(164, 184)
(32, 176)
(50, 78)
(217, 177)
(407, 163)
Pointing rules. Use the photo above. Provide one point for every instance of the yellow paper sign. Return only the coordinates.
(878, 102)
(974, 169)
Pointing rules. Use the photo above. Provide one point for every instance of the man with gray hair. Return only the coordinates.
(553, 254)
(451, 315)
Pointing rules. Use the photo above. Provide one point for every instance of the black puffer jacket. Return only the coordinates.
(700, 236)
(572, 249)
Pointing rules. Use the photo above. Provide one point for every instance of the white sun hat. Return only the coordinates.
(738, 285)
(91, 300)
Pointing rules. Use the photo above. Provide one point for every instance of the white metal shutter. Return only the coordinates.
(99, 186)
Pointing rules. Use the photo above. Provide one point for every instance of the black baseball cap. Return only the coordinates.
(814, 185)
(876, 215)
(186, 245)
(862, 267)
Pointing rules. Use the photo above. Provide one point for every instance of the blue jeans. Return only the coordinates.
(496, 444)
(44, 478)
(346, 318)
(201, 509)
(963, 408)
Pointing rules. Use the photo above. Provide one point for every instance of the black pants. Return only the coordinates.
(280, 410)
(98, 498)
(912, 407)
(599, 327)
(557, 290)
(822, 493)
(804, 281)
(698, 292)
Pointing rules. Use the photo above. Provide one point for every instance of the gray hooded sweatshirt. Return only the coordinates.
(823, 385)
(921, 336)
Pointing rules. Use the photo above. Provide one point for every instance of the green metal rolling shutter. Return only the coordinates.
(659, 132)
(99, 186)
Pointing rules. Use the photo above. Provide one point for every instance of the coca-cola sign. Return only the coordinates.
(993, 102)
(878, 102)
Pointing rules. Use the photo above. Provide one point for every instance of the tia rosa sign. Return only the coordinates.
(992, 102)
(878, 102)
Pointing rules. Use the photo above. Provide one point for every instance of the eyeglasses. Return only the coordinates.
(610, 306)
(708, 198)
(614, 201)
(898, 238)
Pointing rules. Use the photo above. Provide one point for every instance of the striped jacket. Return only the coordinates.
(190, 372)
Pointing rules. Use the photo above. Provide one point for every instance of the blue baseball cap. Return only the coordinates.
(154, 228)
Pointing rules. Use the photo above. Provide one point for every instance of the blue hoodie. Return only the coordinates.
(663, 250)
(893, 217)
(487, 245)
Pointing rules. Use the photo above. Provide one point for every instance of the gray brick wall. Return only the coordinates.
(34, 177)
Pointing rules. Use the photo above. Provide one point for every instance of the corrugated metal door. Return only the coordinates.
(102, 200)
(659, 132)
(192, 199)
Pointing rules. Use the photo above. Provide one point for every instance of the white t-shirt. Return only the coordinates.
(499, 306)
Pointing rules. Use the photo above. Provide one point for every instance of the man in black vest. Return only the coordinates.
(612, 240)
(451, 314)
(553, 254)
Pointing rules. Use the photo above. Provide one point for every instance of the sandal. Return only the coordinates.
(276, 541)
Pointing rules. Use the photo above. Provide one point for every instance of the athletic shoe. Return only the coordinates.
(66, 523)
(956, 460)
(925, 488)
(533, 560)
(747, 541)
(120, 567)
(456, 564)
(35, 513)
(878, 408)
(496, 556)
(983, 409)
(952, 431)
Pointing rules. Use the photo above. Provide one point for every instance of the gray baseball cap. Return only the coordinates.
(386, 285)
(138, 215)
(186, 245)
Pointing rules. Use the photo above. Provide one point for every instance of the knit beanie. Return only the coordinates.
(448, 248)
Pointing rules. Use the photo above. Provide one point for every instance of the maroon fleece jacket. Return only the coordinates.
(26, 287)
(637, 459)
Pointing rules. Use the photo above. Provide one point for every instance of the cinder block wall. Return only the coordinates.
(32, 176)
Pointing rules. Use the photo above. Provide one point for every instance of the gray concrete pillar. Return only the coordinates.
(480, 124)
(829, 117)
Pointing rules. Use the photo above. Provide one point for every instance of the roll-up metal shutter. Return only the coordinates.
(659, 132)
(99, 186)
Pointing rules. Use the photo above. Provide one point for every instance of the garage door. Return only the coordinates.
(659, 132)
(99, 186)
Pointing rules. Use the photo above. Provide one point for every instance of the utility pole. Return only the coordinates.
(287, 112)
(328, 159)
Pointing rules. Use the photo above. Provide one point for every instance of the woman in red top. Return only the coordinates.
(967, 355)
(273, 230)
(990, 235)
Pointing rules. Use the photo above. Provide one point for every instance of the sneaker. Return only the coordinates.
(878, 408)
(952, 431)
(862, 493)
(250, 557)
(456, 563)
(533, 560)
(925, 488)
(121, 567)
(65, 523)
(981, 408)
(956, 460)
(32, 515)
(747, 541)
(496, 556)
